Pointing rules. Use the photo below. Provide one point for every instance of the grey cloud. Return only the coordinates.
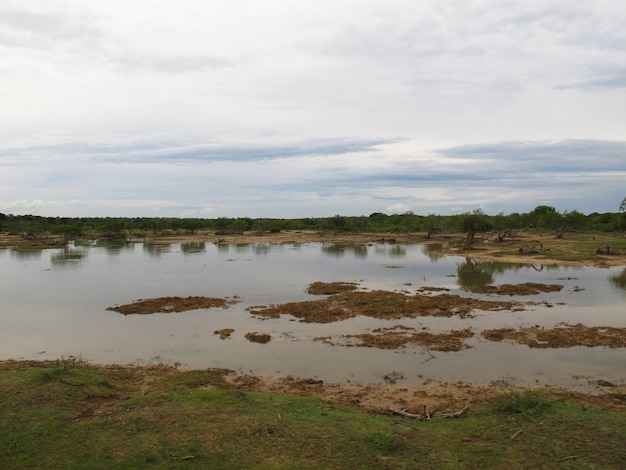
(561, 156)
(43, 30)
(615, 80)
(168, 152)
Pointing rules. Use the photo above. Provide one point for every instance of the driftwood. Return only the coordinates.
(502, 235)
(605, 250)
(527, 250)
(426, 415)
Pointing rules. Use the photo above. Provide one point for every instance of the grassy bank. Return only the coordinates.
(68, 414)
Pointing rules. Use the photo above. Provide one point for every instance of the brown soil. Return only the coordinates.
(329, 288)
(171, 304)
(224, 333)
(581, 248)
(256, 337)
(439, 397)
(527, 288)
(398, 336)
(565, 336)
(381, 304)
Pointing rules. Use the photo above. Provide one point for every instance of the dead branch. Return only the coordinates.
(605, 250)
(431, 356)
(515, 435)
(407, 414)
(456, 414)
(426, 415)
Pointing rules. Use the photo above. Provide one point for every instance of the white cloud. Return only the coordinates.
(398, 208)
(338, 106)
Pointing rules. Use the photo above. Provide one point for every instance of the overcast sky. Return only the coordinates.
(282, 108)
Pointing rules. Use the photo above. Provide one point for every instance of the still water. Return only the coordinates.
(53, 304)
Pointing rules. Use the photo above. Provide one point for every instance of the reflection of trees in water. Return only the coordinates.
(242, 247)
(193, 247)
(262, 248)
(338, 250)
(26, 254)
(433, 251)
(154, 249)
(395, 251)
(619, 280)
(474, 273)
(66, 258)
(115, 247)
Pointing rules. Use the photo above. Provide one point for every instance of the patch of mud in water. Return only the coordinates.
(381, 304)
(171, 304)
(330, 288)
(400, 336)
(527, 288)
(564, 336)
(224, 333)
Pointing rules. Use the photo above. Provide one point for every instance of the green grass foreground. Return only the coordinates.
(68, 414)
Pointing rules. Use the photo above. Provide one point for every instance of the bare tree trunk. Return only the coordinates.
(469, 241)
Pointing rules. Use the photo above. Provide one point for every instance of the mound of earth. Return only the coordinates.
(171, 304)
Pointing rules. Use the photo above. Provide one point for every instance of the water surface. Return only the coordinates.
(54, 304)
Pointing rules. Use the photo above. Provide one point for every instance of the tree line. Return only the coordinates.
(542, 218)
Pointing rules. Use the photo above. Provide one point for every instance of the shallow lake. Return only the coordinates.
(54, 304)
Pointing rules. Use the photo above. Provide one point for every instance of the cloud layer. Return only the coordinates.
(277, 109)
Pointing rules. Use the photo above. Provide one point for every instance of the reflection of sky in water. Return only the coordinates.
(55, 301)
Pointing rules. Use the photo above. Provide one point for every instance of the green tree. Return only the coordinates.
(546, 217)
(337, 223)
(191, 225)
(574, 220)
(241, 225)
(473, 223)
(432, 224)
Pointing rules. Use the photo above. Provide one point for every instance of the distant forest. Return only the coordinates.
(542, 218)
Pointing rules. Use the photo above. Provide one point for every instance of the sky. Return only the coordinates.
(277, 108)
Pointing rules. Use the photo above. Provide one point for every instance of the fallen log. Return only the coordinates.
(528, 250)
(605, 250)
